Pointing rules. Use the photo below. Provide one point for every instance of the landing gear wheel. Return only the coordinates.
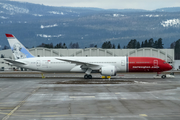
(87, 76)
(163, 76)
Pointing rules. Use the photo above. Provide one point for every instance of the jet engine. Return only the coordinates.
(108, 71)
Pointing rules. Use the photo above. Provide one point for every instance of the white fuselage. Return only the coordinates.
(51, 64)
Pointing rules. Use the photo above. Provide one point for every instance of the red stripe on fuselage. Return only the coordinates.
(147, 64)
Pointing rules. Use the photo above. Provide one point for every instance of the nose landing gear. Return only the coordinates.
(163, 76)
(160, 76)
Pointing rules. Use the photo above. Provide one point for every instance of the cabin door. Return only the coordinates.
(38, 63)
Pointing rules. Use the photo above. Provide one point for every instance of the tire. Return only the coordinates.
(163, 76)
(89, 76)
(85, 76)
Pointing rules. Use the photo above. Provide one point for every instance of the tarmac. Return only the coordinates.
(67, 96)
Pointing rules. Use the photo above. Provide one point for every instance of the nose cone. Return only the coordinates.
(168, 67)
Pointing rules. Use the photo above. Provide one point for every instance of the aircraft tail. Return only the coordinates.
(19, 51)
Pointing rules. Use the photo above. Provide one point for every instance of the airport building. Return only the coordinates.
(165, 54)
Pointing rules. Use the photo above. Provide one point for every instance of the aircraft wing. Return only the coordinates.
(78, 62)
(14, 62)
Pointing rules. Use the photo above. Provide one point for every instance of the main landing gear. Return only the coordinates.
(88, 74)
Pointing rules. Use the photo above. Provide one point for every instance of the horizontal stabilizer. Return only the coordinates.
(14, 62)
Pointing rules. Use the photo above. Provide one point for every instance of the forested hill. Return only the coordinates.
(35, 24)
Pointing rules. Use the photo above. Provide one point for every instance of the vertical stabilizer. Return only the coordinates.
(19, 51)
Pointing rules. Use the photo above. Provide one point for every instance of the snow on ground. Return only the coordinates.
(55, 12)
(151, 15)
(48, 36)
(14, 9)
(117, 15)
(171, 23)
(38, 15)
(48, 26)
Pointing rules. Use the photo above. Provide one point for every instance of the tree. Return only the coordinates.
(155, 44)
(113, 46)
(142, 45)
(64, 46)
(107, 45)
(92, 45)
(146, 43)
(150, 43)
(159, 43)
(77, 45)
(58, 45)
(138, 45)
(46, 45)
(173, 45)
(133, 44)
(119, 47)
(74, 45)
(5, 47)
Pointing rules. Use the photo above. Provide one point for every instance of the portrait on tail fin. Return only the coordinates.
(16, 49)
(19, 51)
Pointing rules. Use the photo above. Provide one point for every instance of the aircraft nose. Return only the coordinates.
(169, 67)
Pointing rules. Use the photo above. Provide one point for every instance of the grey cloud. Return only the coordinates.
(107, 4)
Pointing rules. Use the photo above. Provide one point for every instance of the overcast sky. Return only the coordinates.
(110, 4)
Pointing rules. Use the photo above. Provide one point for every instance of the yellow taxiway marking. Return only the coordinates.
(2, 113)
(143, 115)
(81, 96)
(26, 110)
(6, 108)
(19, 105)
(65, 115)
(123, 98)
(11, 102)
(45, 114)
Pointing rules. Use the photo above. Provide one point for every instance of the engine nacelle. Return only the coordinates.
(108, 71)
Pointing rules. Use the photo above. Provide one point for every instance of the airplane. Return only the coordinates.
(107, 66)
